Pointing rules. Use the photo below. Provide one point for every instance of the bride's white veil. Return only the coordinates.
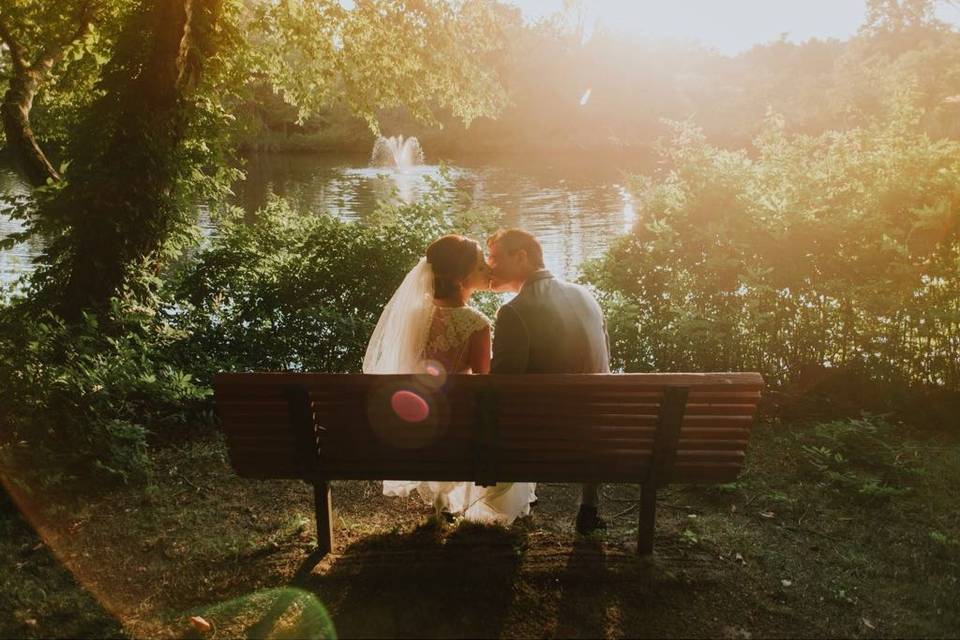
(399, 340)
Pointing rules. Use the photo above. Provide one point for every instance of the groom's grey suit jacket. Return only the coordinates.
(551, 326)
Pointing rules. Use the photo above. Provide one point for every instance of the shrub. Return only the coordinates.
(83, 401)
(302, 292)
(839, 252)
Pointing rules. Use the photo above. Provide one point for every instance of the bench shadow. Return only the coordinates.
(431, 582)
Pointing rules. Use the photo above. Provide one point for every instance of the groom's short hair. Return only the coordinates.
(512, 240)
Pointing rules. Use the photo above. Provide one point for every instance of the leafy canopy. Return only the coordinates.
(421, 54)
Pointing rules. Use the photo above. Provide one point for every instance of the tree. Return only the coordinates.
(886, 16)
(423, 55)
(895, 26)
(38, 36)
(149, 146)
(123, 196)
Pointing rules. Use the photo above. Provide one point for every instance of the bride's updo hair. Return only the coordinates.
(452, 258)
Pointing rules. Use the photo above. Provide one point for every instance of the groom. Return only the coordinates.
(550, 326)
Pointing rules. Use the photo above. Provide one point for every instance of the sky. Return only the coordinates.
(730, 26)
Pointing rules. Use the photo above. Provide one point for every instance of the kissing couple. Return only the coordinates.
(550, 326)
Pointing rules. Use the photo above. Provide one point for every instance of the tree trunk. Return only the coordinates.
(121, 199)
(15, 111)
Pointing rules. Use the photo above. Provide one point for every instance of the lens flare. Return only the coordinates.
(409, 406)
(435, 374)
(285, 612)
(409, 412)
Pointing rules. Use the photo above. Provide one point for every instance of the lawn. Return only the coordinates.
(846, 528)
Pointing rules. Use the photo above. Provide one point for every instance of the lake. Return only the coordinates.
(574, 204)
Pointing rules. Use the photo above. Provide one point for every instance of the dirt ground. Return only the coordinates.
(780, 553)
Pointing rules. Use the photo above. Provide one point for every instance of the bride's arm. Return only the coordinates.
(479, 360)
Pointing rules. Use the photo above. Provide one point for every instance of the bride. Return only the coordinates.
(427, 323)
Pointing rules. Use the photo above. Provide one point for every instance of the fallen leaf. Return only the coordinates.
(200, 624)
(868, 624)
(737, 633)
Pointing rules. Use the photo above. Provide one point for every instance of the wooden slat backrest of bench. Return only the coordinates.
(491, 428)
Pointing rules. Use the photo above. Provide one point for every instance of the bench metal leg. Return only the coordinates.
(321, 498)
(648, 518)
(665, 443)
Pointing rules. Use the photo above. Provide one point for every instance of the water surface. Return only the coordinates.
(574, 204)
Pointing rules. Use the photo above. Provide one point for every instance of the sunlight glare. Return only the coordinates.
(731, 26)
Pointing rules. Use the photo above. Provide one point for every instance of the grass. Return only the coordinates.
(838, 529)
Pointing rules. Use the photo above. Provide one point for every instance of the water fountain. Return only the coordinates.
(396, 152)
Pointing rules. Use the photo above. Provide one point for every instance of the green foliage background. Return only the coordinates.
(841, 250)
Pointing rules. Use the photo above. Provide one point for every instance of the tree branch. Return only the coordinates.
(18, 53)
(55, 52)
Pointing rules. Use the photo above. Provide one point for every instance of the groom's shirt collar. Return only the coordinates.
(539, 274)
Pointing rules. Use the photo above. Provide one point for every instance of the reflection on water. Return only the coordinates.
(19, 259)
(575, 205)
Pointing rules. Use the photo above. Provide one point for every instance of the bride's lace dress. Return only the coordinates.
(447, 344)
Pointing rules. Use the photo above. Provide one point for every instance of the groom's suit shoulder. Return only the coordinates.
(551, 326)
(551, 290)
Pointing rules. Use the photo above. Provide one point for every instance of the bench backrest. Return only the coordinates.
(572, 428)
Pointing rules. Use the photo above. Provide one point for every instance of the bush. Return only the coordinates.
(836, 253)
(83, 401)
(302, 292)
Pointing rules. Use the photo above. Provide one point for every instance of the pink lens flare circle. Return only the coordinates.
(435, 374)
(409, 406)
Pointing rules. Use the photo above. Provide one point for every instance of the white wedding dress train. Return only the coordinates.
(502, 503)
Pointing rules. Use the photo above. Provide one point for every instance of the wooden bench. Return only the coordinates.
(647, 429)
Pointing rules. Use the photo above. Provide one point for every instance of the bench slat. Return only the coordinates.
(227, 379)
(534, 472)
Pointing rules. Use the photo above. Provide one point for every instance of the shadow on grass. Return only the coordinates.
(431, 582)
(581, 613)
(39, 597)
